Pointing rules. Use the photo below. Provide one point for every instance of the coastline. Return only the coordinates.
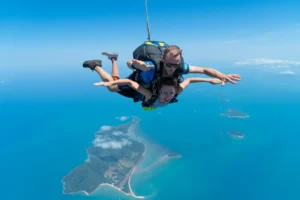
(159, 161)
(243, 117)
(119, 189)
(134, 168)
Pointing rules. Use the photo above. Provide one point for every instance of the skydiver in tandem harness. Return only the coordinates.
(157, 78)
(155, 60)
(154, 84)
(154, 88)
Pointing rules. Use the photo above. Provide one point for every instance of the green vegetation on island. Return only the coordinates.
(111, 160)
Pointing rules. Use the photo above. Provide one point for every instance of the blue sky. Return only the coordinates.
(65, 33)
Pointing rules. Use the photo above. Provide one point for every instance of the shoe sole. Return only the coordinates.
(109, 54)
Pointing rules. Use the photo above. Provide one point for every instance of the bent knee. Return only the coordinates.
(115, 77)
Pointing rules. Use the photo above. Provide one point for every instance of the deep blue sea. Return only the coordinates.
(49, 116)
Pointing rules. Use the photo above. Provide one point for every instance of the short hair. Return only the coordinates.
(169, 81)
(172, 50)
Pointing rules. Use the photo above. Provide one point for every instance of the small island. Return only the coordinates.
(170, 155)
(236, 134)
(111, 161)
(234, 114)
(173, 155)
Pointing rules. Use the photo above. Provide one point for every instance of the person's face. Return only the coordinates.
(166, 94)
(171, 63)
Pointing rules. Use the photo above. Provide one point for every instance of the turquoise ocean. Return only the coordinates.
(49, 116)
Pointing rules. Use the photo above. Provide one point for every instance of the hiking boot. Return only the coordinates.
(111, 55)
(92, 64)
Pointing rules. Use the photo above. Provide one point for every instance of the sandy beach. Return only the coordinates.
(107, 184)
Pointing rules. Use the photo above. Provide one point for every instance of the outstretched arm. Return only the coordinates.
(187, 81)
(232, 78)
(138, 64)
(134, 85)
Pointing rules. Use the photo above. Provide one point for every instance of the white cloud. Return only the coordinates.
(117, 133)
(106, 142)
(122, 118)
(105, 128)
(288, 72)
(269, 62)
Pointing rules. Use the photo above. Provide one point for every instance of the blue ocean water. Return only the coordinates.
(49, 117)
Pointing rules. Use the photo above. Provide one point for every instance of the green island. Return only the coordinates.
(111, 161)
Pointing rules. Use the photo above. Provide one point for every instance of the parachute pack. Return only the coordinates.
(150, 51)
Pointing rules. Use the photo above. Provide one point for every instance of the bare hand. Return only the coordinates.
(215, 81)
(140, 64)
(232, 78)
(106, 84)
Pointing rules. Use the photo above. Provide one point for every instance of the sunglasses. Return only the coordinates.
(169, 65)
